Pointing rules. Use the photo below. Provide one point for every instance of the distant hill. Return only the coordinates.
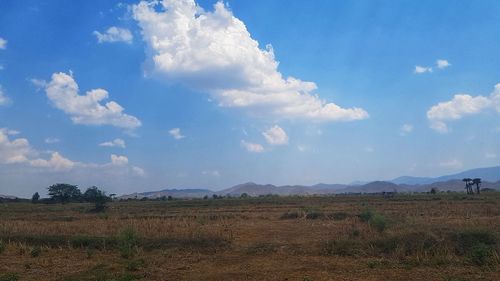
(7, 196)
(490, 174)
(176, 193)
(490, 177)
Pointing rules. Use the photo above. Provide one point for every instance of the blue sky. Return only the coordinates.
(190, 95)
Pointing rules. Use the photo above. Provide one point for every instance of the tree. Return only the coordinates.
(434, 190)
(477, 182)
(64, 193)
(468, 185)
(98, 197)
(35, 198)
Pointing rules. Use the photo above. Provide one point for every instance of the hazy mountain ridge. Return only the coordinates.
(490, 176)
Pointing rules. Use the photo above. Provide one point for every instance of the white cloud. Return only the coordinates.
(2, 67)
(4, 100)
(118, 160)
(452, 164)
(490, 155)
(442, 64)
(3, 44)
(422, 69)
(138, 171)
(214, 52)
(406, 129)
(213, 173)
(176, 133)
(115, 34)
(252, 147)
(461, 105)
(19, 151)
(275, 136)
(52, 140)
(56, 163)
(62, 90)
(114, 143)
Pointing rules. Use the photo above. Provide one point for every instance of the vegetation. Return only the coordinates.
(424, 236)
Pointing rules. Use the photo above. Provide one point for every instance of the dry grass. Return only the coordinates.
(442, 237)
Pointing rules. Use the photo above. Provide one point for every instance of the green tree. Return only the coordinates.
(64, 193)
(35, 198)
(98, 197)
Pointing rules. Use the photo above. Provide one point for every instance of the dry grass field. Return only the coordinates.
(449, 237)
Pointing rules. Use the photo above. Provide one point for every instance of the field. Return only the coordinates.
(449, 237)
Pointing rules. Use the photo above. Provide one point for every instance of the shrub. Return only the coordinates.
(2, 246)
(35, 251)
(9, 277)
(135, 265)
(385, 245)
(290, 215)
(128, 241)
(366, 215)
(339, 216)
(314, 214)
(379, 222)
(468, 239)
(480, 254)
(341, 247)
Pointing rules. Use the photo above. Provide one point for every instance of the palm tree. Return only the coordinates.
(468, 184)
(477, 182)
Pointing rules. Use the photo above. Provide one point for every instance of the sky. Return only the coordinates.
(140, 96)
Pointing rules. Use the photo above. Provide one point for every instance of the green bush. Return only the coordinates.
(35, 251)
(9, 277)
(128, 241)
(290, 215)
(341, 248)
(379, 222)
(135, 265)
(2, 246)
(366, 215)
(314, 214)
(468, 239)
(481, 254)
(339, 216)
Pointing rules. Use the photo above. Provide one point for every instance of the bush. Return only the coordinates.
(341, 247)
(9, 277)
(313, 215)
(35, 251)
(468, 239)
(290, 215)
(135, 265)
(339, 216)
(480, 254)
(379, 222)
(366, 215)
(128, 241)
(2, 246)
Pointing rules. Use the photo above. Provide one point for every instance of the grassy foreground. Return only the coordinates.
(419, 237)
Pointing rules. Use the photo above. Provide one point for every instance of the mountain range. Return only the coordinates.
(490, 177)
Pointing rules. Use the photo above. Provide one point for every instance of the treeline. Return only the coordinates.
(67, 193)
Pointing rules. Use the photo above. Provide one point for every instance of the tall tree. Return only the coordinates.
(477, 182)
(468, 185)
(64, 193)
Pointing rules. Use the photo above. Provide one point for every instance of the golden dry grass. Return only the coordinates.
(247, 239)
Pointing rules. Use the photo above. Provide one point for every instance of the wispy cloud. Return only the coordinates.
(176, 133)
(114, 34)
(252, 147)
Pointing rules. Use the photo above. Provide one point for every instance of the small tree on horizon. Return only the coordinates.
(98, 197)
(477, 182)
(35, 198)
